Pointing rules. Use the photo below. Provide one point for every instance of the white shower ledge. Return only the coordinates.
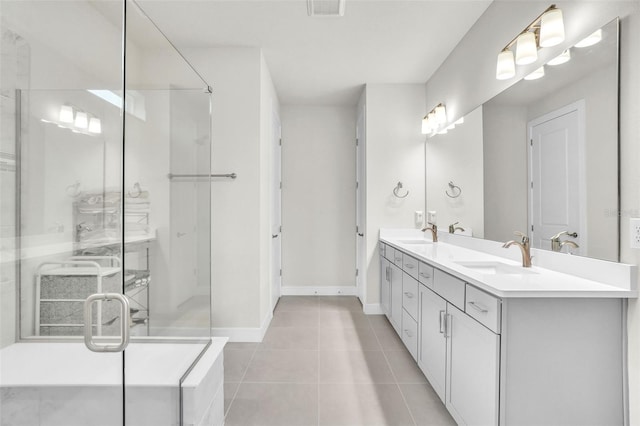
(553, 274)
(72, 364)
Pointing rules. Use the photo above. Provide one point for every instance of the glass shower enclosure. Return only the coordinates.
(105, 217)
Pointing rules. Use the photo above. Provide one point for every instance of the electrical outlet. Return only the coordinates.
(418, 218)
(431, 216)
(634, 232)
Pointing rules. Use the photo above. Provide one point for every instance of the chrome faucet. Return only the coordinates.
(556, 244)
(453, 228)
(434, 231)
(524, 248)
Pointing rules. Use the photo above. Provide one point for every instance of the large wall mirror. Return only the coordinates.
(540, 157)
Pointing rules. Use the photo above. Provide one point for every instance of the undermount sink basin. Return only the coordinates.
(496, 268)
(415, 241)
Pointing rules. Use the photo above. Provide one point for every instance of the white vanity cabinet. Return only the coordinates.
(385, 286)
(432, 350)
(391, 285)
(458, 355)
(395, 316)
(473, 360)
(511, 357)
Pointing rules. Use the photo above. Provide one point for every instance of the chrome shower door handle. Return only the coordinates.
(124, 322)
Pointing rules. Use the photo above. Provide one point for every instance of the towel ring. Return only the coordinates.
(455, 189)
(74, 189)
(137, 191)
(398, 188)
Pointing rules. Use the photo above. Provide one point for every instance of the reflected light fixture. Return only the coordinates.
(592, 39)
(551, 28)
(95, 125)
(539, 73)
(562, 58)
(544, 31)
(81, 120)
(435, 119)
(66, 114)
(459, 121)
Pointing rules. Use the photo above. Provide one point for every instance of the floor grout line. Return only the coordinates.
(395, 378)
(241, 380)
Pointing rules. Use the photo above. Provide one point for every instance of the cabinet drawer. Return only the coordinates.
(449, 288)
(397, 257)
(425, 274)
(410, 334)
(483, 307)
(410, 295)
(410, 266)
(383, 249)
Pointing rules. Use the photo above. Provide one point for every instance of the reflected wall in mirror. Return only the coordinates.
(547, 152)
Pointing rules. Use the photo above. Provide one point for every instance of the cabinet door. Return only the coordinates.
(396, 298)
(385, 286)
(472, 380)
(432, 344)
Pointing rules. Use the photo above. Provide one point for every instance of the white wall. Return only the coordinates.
(234, 74)
(243, 101)
(394, 153)
(463, 88)
(457, 157)
(318, 197)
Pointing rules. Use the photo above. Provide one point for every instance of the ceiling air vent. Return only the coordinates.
(325, 8)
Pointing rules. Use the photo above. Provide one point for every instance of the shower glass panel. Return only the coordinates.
(94, 145)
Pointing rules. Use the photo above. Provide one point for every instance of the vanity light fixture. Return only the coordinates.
(434, 120)
(66, 114)
(590, 40)
(526, 49)
(81, 122)
(562, 58)
(506, 66)
(545, 31)
(539, 73)
(551, 28)
(95, 125)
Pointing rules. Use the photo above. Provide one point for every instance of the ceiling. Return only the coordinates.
(325, 61)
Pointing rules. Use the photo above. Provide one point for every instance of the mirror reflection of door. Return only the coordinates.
(276, 214)
(557, 198)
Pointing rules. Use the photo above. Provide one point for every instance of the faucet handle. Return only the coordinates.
(525, 238)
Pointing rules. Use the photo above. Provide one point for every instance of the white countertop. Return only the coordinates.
(537, 282)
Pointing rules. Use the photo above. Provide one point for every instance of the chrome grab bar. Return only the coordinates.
(225, 175)
(124, 322)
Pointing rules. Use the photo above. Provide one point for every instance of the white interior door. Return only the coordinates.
(361, 257)
(276, 213)
(557, 200)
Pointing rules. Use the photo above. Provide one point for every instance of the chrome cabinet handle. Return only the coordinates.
(447, 324)
(441, 322)
(408, 294)
(408, 333)
(398, 259)
(409, 266)
(423, 275)
(478, 307)
(387, 270)
(124, 322)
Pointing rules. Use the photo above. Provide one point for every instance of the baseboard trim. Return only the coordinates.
(320, 291)
(373, 309)
(238, 334)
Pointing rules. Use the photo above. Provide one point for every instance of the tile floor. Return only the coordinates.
(324, 362)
